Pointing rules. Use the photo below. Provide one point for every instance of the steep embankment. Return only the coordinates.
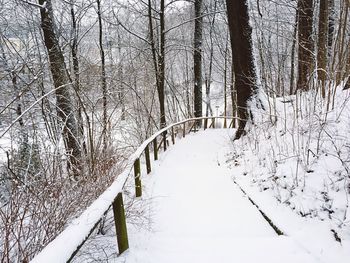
(295, 164)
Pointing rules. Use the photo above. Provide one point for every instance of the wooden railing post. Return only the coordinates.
(164, 140)
(120, 224)
(148, 161)
(117, 204)
(172, 135)
(137, 173)
(155, 149)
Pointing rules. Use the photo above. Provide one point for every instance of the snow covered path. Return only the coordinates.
(199, 214)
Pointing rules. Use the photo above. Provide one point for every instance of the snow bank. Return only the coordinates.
(297, 156)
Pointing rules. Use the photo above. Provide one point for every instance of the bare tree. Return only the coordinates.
(208, 78)
(331, 24)
(63, 88)
(76, 71)
(322, 45)
(242, 54)
(197, 58)
(158, 56)
(103, 75)
(292, 63)
(340, 61)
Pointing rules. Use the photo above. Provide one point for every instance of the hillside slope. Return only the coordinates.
(295, 164)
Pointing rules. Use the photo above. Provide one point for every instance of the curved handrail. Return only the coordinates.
(64, 247)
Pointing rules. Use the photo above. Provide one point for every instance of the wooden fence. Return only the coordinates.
(68, 243)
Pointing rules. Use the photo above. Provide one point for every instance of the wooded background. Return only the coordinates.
(85, 82)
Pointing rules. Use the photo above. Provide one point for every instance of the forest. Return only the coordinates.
(83, 83)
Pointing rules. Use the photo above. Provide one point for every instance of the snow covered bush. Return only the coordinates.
(303, 157)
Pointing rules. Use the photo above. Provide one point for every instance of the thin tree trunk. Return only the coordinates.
(121, 92)
(161, 61)
(341, 43)
(209, 76)
(158, 61)
(292, 63)
(225, 80)
(322, 46)
(103, 76)
(187, 82)
(197, 58)
(330, 25)
(75, 60)
(74, 47)
(242, 54)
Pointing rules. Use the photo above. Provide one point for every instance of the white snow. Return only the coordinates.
(63, 246)
(199, 214)
(296, 170)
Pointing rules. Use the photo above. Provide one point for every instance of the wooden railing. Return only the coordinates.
(67, 244)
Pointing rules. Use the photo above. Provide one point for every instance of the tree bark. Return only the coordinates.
(76, 72)
(305, 43)
(161, 61)
(331, 25)
(103, 76)
(121, 92)
(243, 62)
(341, 42)
(322, 46)
(197, 58)
(63, 86)
(211, 58)
(158, 60)
(292, 63)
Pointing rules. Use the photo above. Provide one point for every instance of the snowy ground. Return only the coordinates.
(297, 170)
(198, 213)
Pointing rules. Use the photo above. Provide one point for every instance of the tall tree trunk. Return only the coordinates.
(292, 63)
(152, 42)
(161, 61)
(197, 58)
(331, 25)
(75, 60)
(233, 93)
(103, 76)
(243, 61)
(158, 60)
(211, 58)
(225, 80)
(305, 43)
(63, 86)
(189, 100)
(322, 46)
(340, 42)
(74, 49)
(121, 92)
